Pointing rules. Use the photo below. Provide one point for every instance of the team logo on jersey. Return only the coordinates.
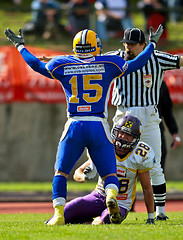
(122, 197)
(147, 79)
(84, 108)
(121, 172)
(128, 124)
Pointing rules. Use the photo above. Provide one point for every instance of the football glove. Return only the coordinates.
(154, 37)
(90, 172)
(150, 221)
(17, 40)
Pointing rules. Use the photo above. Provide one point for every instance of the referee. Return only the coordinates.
(165, 108)
(138, 95)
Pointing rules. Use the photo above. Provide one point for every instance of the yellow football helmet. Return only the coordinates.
(86, 44)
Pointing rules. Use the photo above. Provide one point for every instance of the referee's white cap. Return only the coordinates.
(133, 35)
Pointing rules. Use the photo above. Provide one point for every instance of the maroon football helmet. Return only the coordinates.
(130, 125)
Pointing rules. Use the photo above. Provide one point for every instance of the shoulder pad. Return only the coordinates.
(143, 156)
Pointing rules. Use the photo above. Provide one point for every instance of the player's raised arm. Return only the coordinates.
(143, 57)
(18, 41)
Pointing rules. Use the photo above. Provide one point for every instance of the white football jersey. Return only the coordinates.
(141, 159)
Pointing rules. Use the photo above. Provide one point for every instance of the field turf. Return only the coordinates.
(31, 227)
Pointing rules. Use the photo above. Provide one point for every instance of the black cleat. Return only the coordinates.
(161, 217)
(150, 221)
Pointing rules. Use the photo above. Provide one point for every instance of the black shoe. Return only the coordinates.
(161, 217)
(150, 221)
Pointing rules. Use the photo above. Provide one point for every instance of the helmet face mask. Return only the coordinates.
(87, 44)
(131, 126)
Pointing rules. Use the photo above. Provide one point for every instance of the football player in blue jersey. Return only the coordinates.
(134, 159)
(86, 79)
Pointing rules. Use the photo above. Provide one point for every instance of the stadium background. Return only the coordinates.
(30, 130)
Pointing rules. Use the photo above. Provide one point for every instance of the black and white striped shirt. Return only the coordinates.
(142, 87)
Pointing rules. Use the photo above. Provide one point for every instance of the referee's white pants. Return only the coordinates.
(150, 120)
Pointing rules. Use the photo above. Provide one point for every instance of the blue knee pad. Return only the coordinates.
(59, 186)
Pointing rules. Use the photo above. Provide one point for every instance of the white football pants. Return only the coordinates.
(150, 120)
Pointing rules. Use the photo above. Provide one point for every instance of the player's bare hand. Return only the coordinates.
(154, 37)
(44, 58)
(176, 140)
(97, 221)
(17, 40)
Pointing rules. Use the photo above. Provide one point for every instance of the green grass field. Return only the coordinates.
(72, 186)
(31, 227)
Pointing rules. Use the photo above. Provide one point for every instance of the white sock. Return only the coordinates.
(111, 185)
(160, 209)
(60, 201)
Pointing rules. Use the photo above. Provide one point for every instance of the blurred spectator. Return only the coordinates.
(155, 13)
(166, 113)
(109, 17)
(78, 15)
(46, 15)
(174, 15)
(17, 2)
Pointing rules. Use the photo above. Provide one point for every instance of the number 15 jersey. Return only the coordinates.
(86, 82)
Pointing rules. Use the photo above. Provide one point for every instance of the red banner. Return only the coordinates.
(18, 82)
(174, 81)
